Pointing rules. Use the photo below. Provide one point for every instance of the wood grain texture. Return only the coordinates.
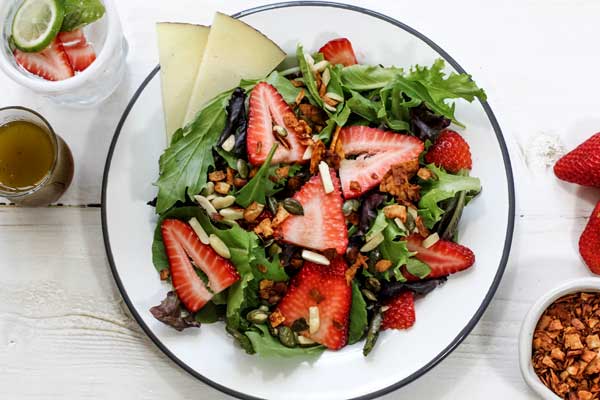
(64, 331)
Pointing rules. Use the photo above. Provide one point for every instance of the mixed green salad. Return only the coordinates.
(309, 210)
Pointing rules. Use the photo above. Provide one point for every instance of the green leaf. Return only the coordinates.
(241, 295)
(418, 268)
(260, 186)
(262, 268)
(358, 316)
(79, 13)
(367, 77)
(284, 86)
(394, 249)
(229, 158)
(309, 79)
(267, 346)
(379, 224)
(444, 187)
(210, 313)
(325, 134)
(441, 87)
(362, 106)
(184, 164)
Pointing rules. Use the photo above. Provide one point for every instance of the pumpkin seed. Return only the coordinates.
(350, 206)
(241, 339)
(257, 317)
(223, 202)
(272, 204)
(207, 205)
(369, 295)
(287, 337)
(208, 189)
(373, 331)
(293, 206)
(273, 331)
(274, 249)
(280, 130)
(373, 284)
(242, 167)
(219, 246)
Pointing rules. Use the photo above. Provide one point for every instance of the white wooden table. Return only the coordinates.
(64, 330)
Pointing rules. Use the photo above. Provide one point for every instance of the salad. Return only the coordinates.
(47, 37)
(310, 209)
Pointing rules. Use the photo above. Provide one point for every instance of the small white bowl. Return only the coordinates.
(530, 322)
(86, 88)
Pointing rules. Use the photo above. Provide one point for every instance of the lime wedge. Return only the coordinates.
(36, 24)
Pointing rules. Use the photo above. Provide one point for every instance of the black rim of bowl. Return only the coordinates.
(507, 243)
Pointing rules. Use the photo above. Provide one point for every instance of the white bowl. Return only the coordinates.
(530, 322)
(86, 88)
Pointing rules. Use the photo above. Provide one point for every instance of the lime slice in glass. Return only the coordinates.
(36, 24)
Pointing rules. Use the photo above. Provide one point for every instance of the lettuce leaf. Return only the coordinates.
(444, 187)
(360, 77)
(267, 346)
(393, 248)
(358, 316)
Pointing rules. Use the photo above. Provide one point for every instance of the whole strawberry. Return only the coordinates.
(582, 165)
(450, 151)
(589, 243)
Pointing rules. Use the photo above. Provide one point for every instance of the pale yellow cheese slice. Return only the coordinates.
(234, 51)
(180, 48)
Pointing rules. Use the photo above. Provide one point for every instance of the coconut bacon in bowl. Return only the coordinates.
(309, 207)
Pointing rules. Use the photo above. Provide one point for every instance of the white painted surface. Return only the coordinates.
(63, 329)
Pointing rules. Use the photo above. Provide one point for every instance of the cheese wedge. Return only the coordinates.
(234, 51)
(180, 48)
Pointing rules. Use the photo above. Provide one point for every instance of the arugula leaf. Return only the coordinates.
(260, 186)
(367, 77)
(262, 268)
(358, 315)
(184, 164)
(309, 79)
(325, 134)
(267, 346)
(441, 87)
(444, 187)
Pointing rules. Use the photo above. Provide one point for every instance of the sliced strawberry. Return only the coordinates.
(51, 63)
(268, 109)
(339, 51)
(401, 311)
(325, 288)
(80, 53)
(444, 257)
(589, 243)
(450, 151)
(181, 244)
(378, 151)
(323, 225)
